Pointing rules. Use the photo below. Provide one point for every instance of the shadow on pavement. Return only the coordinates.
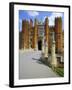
(35, 59)
(40, 61)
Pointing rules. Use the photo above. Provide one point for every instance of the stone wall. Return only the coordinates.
(58, 35)
(29, 35)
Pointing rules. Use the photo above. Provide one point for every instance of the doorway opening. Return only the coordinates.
(40, 45)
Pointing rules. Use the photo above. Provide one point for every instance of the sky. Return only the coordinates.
(40, 16)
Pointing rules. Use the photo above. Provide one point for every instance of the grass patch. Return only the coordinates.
(59, 71)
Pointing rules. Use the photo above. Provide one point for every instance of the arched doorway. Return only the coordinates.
(40, 45)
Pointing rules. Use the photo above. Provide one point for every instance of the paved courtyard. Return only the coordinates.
(31, 67)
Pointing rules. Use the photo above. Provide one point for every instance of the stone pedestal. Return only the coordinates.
(53, 55)
(46, 50)
(43, 45)
(36, 48)
(42, 56)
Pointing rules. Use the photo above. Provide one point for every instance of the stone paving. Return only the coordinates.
(31, 67)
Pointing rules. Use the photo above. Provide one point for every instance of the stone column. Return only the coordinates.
(53, 55)
(35, 35)
(46, 36)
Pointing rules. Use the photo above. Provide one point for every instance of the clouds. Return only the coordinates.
(52, 17)
(20, 24)
(33, 13)
(40, 16)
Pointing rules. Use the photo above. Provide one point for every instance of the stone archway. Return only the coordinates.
(39, 44)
